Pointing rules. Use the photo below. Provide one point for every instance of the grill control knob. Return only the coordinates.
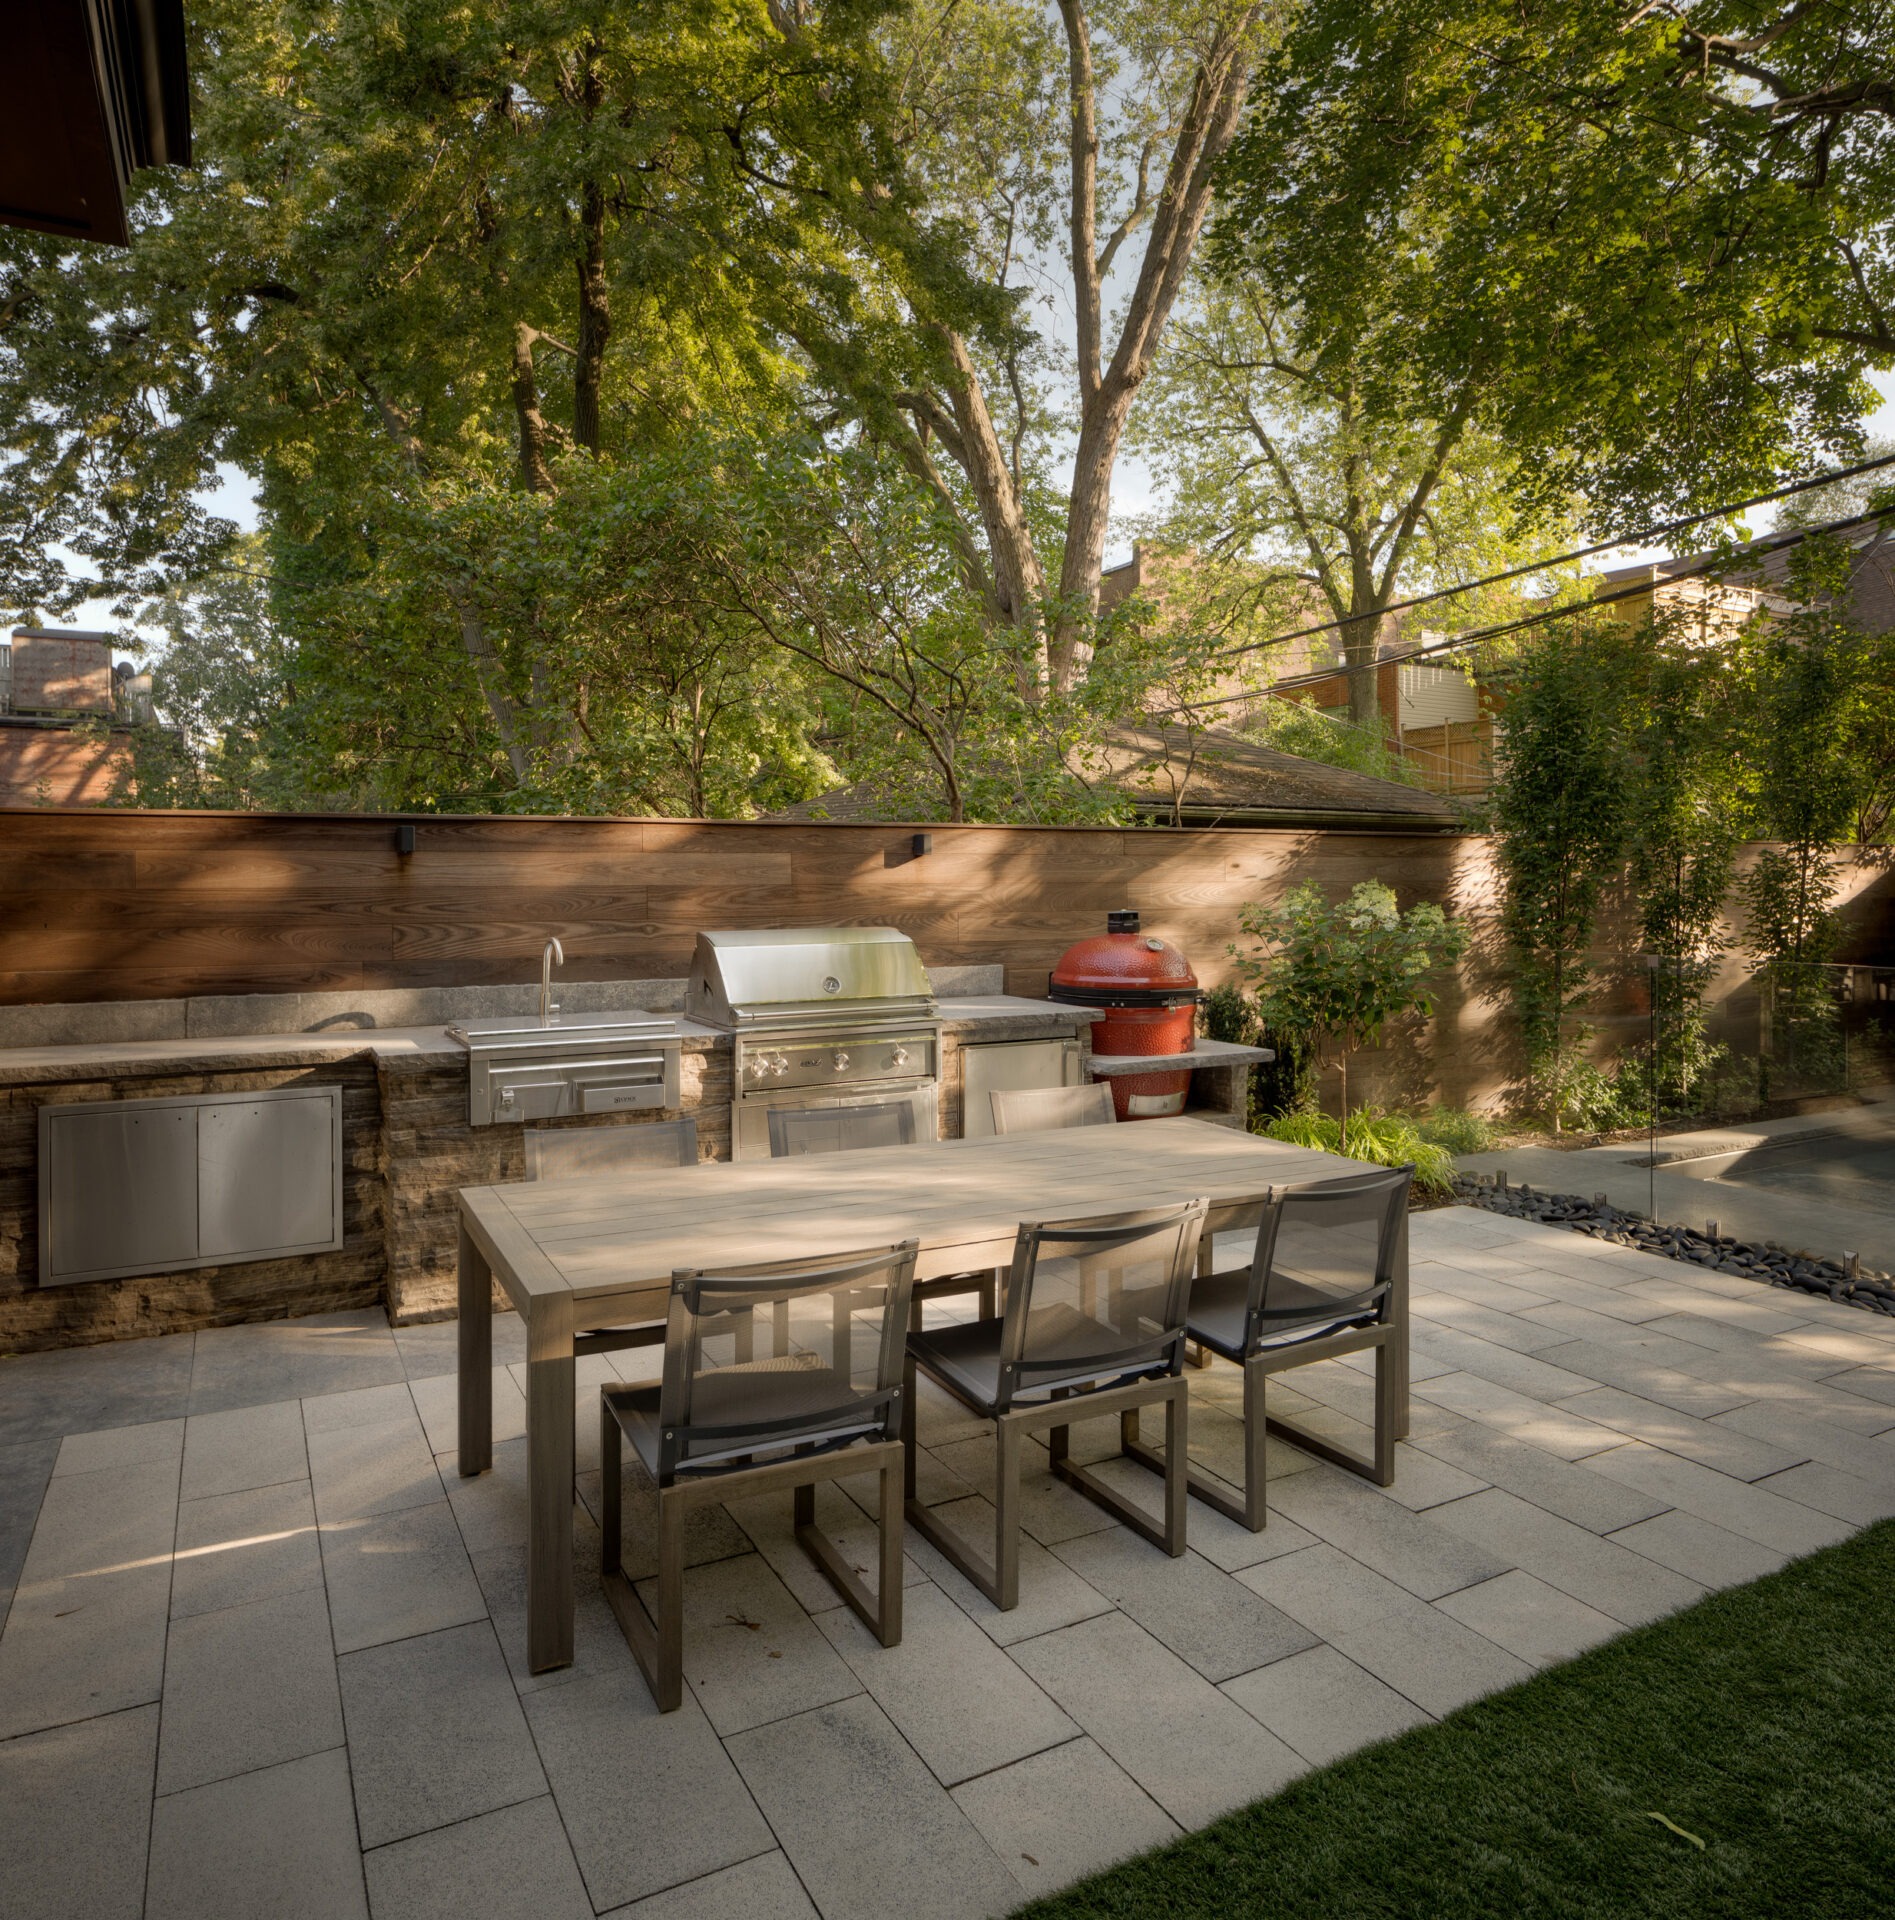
(899, 1058)
(839, 1059)
(780, 1064)
(758, 1065)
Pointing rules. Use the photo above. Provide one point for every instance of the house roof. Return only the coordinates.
(1210, 777)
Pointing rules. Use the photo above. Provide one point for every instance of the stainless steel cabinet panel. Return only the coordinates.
(119, 1185)
(1006, 1066)
(266, 1175)
(131, 1187)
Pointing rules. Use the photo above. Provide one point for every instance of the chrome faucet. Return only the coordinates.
(552, 951)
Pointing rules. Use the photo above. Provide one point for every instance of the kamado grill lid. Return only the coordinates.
(1123, 967)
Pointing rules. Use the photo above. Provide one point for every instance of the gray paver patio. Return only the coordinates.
(264, 1649)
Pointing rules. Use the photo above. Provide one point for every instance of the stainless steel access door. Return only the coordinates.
(132, 1187)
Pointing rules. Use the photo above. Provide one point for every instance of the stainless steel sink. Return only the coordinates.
(634, 1023)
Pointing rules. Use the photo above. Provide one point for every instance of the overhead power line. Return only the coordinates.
(1774, 543)
(1645, 539)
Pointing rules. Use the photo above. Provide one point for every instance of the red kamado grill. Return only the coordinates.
(1149, 998)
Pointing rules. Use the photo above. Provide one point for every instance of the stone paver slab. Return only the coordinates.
(499, 1866)
(1218, 1624)
(866, 1826)
(1576, 1492)
(396, 1575)
(1830, 1490)
(279, 1842)
(237, 1547)
(1062, 1815)
(1700, 1551)
(1554, 1430)
(1051, 1594)
(1536, 1622)
(1709, 1443)
(436, 1734)
(1431, 1659)
(1414, 1550)
(1326, 1590)
(608, 1751)
(250, 1447)
(78, 1810)
(1750, 1508)
(1195, 1752)
(765, 1888)
(1617, 1582)
(1323, 1705)
(751, 1654)
(248, 1687)
(956, 1698)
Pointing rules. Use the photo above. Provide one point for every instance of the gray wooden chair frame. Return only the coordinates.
(657, 1639)
(1157, 1365)
(1265, 1350)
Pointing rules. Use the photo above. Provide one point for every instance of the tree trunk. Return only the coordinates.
(595, 321)
(534, 469)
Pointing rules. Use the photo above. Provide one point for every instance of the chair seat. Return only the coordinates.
(966, 1359)
(1218, 1301)
(760, 1394)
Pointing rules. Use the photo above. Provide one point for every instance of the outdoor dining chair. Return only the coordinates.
(890, 1123)
(878, 1123)
(1094, 1326)
(1041, 1109)
(574, 1153)
(1319, 1284)
(824, 1403)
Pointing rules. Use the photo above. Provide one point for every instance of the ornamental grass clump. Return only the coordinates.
(1382, 1139)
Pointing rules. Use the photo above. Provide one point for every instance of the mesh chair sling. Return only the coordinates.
(882, 1123)
(823, 1402)
(1319, 1284)
(1040, 1109)
(1094, 1326)
(574, 1153)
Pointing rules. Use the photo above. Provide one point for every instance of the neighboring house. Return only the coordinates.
(1178, 776)
(61, 741)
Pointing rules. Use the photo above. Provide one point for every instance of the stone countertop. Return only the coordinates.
(230, 1053)
(1204, 1053)
(1007, 1011)
(252, 1052)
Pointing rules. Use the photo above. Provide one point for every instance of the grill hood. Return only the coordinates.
(806, 975)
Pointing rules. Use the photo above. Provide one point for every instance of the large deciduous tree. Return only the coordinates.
(1651, 244)
(1077, 158)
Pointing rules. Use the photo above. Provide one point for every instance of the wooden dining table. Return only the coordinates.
(577, 1255)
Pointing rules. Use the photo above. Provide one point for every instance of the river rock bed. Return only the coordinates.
(1768, 1262)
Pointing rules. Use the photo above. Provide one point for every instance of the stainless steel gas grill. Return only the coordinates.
(821, 1017)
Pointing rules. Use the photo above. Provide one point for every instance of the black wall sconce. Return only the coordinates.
(921, 843)
(405, 838)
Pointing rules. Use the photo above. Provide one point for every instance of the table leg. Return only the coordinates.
(476, 1358)
(1398, 1349)
(549, 1493)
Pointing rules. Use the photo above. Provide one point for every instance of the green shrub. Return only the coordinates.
(1382, 1139)
(1456, 1129)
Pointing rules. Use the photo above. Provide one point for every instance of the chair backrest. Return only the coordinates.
(1093, 1301)
(1327, 1250)
(793, 1354)
(881, 1123)
(1041, 1109)
(570, 1153)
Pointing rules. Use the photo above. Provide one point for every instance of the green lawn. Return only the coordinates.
(1761, 1720)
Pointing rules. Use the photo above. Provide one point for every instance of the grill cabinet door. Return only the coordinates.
(266, 1173)
(1006, 1067)
(118, 1191)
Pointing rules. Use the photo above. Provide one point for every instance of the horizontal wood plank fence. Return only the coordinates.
(107, 904)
